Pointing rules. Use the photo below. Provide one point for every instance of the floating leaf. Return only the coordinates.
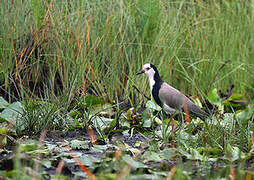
(88, 160)
(152, 156)
(101, 148)
(77, 144)
(134, 164)
(195, 155)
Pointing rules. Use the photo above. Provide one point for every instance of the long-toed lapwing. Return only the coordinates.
(168, 98)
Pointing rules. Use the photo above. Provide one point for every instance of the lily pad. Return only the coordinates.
(77, 144)
(134, 164)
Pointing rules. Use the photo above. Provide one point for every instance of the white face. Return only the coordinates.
(148, 70)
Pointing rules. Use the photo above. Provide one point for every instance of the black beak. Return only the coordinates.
(140, 72)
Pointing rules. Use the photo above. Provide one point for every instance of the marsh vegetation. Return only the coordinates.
(72, 106)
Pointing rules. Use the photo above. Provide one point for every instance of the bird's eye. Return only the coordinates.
(148, 68)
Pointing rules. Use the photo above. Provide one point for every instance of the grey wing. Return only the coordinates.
(194, 109)
(175, 99)
(171, 96)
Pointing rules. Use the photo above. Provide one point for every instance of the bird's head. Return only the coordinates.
(149, 69)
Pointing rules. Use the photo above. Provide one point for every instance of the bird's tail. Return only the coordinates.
(198, 112)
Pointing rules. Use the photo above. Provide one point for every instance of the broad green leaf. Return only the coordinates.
(153, 106)
(213, 97)
(3, 140)
(157, 120)
(195, 155)
(17, 172)
(211, 151)
(134, 164)
(77, 144)
(152, 156)
(158, 133)
(59, 176)
(134, 151)
(46, 163)
(88, 159)
(105, 110)
(68, 160)
(234, 153)
(100, 148)
(91, 101)
(126, 133)
(102, 122)
(111, 127)
(12, 112)
(107, 176)
(3, 130)
(147, 123)
(79, 174)
(168, 153)
(148, 176)
(30, 146)
(43, 151)
(3, 103)
(235, 96)
(245, 114)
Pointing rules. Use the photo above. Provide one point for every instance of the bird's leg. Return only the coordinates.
(172, 124)
(179, 125)
(173, 131)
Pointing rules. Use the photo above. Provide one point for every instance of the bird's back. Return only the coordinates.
(174, 99)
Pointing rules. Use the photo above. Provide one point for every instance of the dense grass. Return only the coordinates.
(99, 45)
(55, 52)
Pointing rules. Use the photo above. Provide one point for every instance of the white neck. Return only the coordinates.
(151, 82)
(150, 74)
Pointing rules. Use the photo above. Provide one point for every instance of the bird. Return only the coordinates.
(171, 100)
